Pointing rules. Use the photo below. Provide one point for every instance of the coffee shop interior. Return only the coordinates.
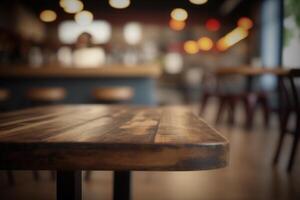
(232, 62)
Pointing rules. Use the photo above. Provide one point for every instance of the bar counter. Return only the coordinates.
(110, 71)
(79, 82)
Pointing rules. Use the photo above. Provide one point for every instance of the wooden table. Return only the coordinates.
(119, 138)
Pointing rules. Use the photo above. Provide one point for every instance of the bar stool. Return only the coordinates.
(111, 95)
(41, 96)
(45, 95)
(289, 103)
(4, 97)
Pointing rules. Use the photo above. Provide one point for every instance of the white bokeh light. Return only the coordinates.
(173, 63)
(84, 18)
(68, 31)
(119, 4)
(133, 33)
(198, 2)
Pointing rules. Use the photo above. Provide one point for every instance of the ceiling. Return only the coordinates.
(145, 10)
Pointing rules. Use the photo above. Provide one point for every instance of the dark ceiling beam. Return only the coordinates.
(228, 6)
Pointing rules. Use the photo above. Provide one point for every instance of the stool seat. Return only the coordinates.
(4, 94)
(46, 94)
(113, 93)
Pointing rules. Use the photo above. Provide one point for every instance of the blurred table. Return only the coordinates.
(250, 71)
(79, 82)
(120, 138)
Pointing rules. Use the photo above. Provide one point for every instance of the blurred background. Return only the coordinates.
(223, 58)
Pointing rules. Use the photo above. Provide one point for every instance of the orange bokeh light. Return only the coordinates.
(205, 43)
(245, 23)
(191, 47)
(232, 38)
(176, 25)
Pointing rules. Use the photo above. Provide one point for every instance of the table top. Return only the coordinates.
(107, 71)
(102, 137)
(251, 71)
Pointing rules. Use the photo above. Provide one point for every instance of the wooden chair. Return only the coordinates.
(4, 97)
(289, 104)
(111, 95)
(41, 96)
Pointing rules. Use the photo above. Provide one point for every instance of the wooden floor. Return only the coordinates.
(249, 176)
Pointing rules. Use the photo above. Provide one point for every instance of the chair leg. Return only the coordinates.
(232, 104)
(249, 102)
(283, 118)
(10, 177)
(222, 104)
(294, 151)
(36, 175)
(53, 175)
(88, 175)
(266, 110)
(203, 103)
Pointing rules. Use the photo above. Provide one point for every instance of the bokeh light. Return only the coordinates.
(205, 44)
(232, 38)
(245, 23)
(72, 6)
(191, 47)
(119, 4)
(48, 16)
(179, 14)
(84, 17)
(173, 63)
(133, 33)
(212, 24)
(177, 25)
(198, 2)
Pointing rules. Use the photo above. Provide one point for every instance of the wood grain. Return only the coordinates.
(93, 137)
(151, 71)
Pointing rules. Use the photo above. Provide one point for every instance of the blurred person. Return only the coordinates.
(85, 55)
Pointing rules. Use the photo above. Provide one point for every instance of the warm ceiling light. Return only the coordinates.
(245, 23)
(48, 16)
(176, 25)
(72, 6)
(179, 14)
(119, 4)
(62, 3)
(198, 2)
(84, 17)
(191, 47)
(205, 43)
(212, 24)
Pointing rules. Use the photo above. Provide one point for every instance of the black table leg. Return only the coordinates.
(68, 185)
(122, 189)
